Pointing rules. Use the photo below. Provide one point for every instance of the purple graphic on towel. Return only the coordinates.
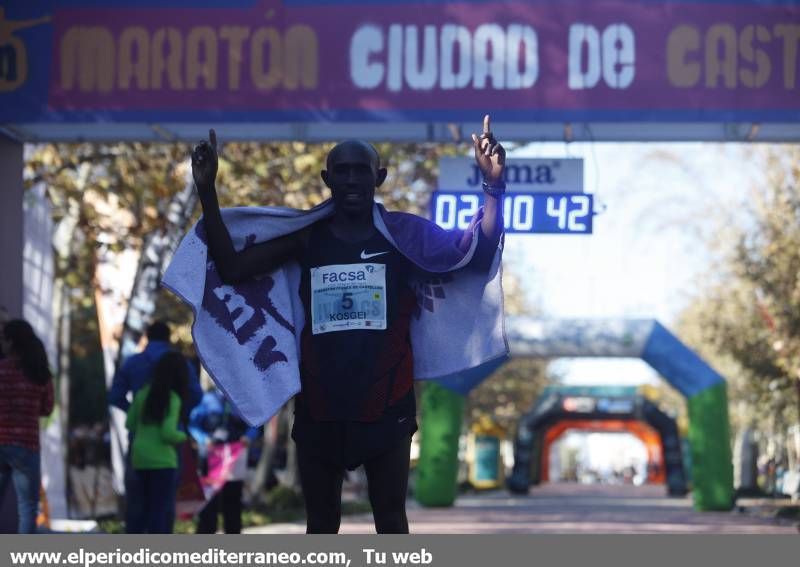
(428, 292)
(431, 248)
(242, 309)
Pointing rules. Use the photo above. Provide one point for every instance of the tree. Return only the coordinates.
(746, 320)
(105, 198)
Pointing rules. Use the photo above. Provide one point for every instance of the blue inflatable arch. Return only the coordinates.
(704, 389)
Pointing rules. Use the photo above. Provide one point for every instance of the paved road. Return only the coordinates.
(567, 508)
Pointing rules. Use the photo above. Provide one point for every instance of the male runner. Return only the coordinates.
(356, 405)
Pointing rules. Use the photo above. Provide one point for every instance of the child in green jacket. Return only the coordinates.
(153, 418)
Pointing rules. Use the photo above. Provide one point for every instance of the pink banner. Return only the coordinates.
(605, 55)
(227, 461)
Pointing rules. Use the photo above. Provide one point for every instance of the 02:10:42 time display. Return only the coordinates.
(568, 213)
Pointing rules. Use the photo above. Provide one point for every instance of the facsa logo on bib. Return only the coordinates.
(335, 277)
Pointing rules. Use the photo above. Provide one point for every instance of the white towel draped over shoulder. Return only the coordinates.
(248, 335)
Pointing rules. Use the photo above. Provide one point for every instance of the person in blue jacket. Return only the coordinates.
(135, 373)
(215, 422)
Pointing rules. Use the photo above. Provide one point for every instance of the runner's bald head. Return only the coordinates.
(354, 149)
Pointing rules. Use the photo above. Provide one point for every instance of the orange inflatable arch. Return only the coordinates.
(656, 473)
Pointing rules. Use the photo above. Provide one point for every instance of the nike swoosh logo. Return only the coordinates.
(365, 256)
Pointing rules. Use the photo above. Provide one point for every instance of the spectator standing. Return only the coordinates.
(135, 372)
(214, 425)
(27, 386)
(154, 418)
(131, 377)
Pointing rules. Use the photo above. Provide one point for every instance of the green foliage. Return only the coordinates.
(105, 199)
(87, 390)
(114, 526)
(508, 393)
(746, 319)
(283, 499)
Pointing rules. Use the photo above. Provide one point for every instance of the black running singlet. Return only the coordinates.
(356, 360)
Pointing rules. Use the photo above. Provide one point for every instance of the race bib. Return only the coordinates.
(348, 296)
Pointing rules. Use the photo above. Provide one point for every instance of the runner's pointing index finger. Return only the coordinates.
(487, 130)
(212, 137)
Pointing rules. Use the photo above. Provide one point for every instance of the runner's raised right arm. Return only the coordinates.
(233, 266)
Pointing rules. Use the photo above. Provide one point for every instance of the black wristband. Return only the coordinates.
(494, 190)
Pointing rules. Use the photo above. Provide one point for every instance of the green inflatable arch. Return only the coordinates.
(704, 389)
